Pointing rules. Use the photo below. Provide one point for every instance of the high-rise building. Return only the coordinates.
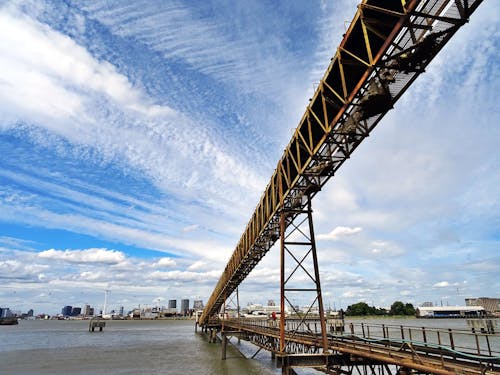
(121, 310)
(5, 312)
(198, 304)
(30, 313)
(66, 310)
(86, 310)
(172, 303)
(184, 306)
(75, 311)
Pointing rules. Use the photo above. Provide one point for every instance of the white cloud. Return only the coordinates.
(271, 276)
(349, 294)
(166, 262)
(44, 72)
(441, 284)
(197, 265)
(91, 276)
(339, 232)
(183, 276)
(84, 256)
(486, 266)
(16, 243)
(190, 228)
(385, 248)
(24, 271)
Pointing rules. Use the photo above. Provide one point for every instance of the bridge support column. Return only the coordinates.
(212, 338)
(224, 345)
(286, 369)
(298, 246)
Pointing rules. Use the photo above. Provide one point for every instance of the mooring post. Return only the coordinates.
(224, 345)
(287, 370)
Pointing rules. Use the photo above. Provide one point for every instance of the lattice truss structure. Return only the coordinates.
(299, 275)
(388, 45)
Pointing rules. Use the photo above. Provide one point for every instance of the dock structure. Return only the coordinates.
(388, 44)
(96, 323)
(363, 348)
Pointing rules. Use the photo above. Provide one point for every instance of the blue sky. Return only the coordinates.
(136, 140)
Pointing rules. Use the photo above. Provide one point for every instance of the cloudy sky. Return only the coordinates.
(137, 137)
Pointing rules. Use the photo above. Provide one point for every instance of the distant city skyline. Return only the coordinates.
(134, 149)
(491, 304)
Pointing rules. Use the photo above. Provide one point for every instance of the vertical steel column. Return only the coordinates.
(238, 311)
(223, 313)
(316, 274)
(282, 281)
(237, 303)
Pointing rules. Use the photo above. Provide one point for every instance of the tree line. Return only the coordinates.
(397, 308)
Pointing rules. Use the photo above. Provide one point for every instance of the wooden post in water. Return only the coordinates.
(224, 345)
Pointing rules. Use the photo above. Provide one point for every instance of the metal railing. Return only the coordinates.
(455, 341)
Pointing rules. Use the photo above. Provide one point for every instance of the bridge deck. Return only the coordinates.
(435, 351)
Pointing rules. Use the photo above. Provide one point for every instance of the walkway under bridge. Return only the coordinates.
(360, 348)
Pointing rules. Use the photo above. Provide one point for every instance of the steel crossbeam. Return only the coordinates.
(388, 45)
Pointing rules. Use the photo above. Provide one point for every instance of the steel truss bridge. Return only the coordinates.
(388, 44)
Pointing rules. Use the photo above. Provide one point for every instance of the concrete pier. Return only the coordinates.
(96, 323)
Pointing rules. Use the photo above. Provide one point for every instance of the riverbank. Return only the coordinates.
(8, 321)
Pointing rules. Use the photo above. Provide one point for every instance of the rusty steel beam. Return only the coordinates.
(387, 46)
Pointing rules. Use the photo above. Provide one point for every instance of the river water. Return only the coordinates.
(124, 347)
(139, 347)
